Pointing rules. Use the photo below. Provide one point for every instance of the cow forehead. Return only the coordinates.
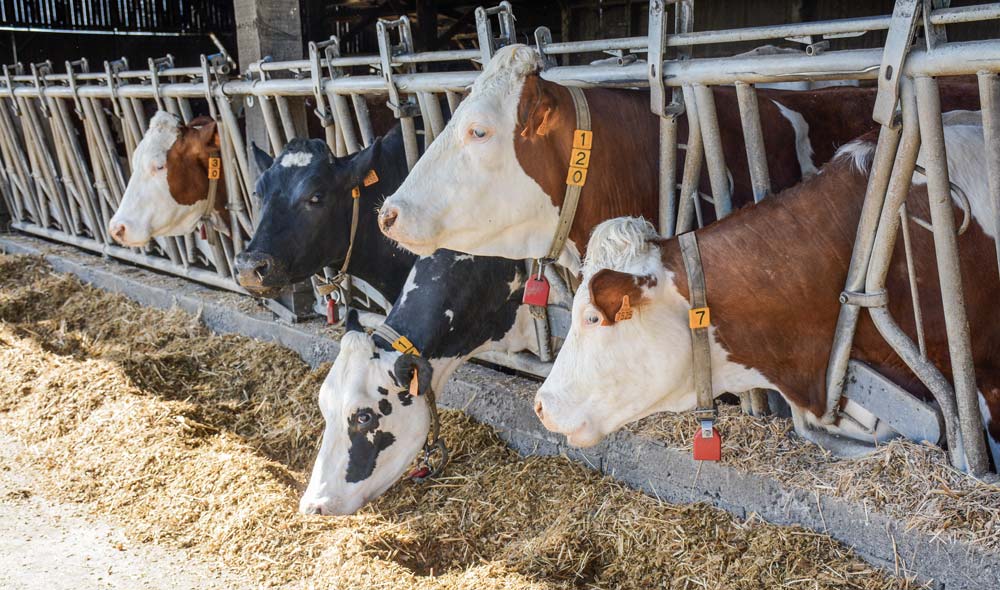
(162, 136)
(506, 71)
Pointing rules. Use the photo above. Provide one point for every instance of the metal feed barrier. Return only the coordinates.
(65, 137)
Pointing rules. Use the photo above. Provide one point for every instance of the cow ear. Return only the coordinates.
(537, 109)
(414, 372)
(616, 295)
(353, 321)
(360, 164)
(263, 159)
(208, 133)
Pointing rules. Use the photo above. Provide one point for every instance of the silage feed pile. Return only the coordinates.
(200, 441)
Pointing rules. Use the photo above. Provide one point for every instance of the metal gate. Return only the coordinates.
(65, 140)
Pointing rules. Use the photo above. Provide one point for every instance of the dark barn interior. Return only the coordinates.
(35, 30)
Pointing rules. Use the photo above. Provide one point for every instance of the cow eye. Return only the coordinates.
(478, 132)
(315, 199)
(591, 319)
(364, 418)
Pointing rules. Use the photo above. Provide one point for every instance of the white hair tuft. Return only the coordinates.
(620, 243)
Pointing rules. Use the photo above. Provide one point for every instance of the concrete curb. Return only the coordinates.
(504, 402)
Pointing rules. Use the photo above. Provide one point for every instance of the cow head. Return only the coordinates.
(167, 194)
(628, 351)
(306, 216)
(374, 426)
(468, 192)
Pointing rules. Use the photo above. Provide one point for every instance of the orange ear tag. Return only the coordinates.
(370, 178)
(415, 383)
(625, 312)
(214, 168)
(356, 192)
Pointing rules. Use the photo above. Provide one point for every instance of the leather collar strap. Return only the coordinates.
(699, 321)
(576, 177)
(338, 282)
(396, 340)
(427, 468)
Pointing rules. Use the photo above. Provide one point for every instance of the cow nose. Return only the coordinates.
(118, 231)
(253, 267)
(538, 410)
(387, 217)
(312, 509)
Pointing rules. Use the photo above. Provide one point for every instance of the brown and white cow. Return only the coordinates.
(167, 194)
(773, 272)
(493, 183)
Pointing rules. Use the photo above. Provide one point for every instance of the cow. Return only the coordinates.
(493, 182)
(305, 220)
(167, 194)
(452, 307)
(773, 272)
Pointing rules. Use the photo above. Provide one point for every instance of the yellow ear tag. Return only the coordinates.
(415, 383)
(625, 312)
(370, 178)
(214, 168)
(355, 192)
(699, 317)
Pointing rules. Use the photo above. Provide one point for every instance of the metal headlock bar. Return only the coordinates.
(62, 174)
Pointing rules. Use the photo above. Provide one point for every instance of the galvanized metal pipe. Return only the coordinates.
(989, 98)
(847, 320)
(694, 154)
(714, 156)
(949, 273)
(668, 175)
(753, 138)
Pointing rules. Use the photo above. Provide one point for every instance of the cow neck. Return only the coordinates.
(622, 179)
(377, 260)
(773, 272)
(476, 292)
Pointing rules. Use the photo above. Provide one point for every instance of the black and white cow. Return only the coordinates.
(305, 221)
(452, 307)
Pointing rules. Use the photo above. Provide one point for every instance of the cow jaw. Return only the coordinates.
(469, 193)
(358, 462)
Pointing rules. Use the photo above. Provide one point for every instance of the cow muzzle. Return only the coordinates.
(126, 233)
(259, 273)
(556, 417)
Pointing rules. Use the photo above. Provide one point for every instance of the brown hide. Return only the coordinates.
(187, 165)
(623, 178)
(774, 272)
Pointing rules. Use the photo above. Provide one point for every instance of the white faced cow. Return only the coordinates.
(452, 307)
(167, 194)
(773, 273)
(493, 182)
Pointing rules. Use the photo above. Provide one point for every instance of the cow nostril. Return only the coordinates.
(262, 268)
(118, 231)
(538, 410)
(388, 218)
(317, 509)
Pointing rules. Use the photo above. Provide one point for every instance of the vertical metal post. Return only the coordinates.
(949, 273)
(989, 98)
(753, 137)
(714, 156)
(694, 155)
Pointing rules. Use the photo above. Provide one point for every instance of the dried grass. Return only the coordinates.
(203, 441)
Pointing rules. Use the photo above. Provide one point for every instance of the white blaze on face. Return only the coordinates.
(468, 192)
(147, 209)
(296, 159)
(361, 457)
